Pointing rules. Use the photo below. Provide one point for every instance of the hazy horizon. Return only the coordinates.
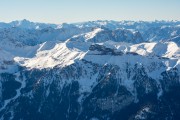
(69, 11)
(88, 21)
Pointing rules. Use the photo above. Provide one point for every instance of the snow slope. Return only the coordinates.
(61, 45)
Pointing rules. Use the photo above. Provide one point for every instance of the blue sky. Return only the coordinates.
(59, 11)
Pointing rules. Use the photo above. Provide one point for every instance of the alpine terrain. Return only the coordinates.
(95, 70)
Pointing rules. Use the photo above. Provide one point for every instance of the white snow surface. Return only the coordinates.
(61, 54)
(67, 43)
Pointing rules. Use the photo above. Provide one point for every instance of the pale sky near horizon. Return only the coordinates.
(59, 11)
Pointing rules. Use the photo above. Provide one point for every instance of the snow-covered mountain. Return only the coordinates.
(25, 24)
(95, 70)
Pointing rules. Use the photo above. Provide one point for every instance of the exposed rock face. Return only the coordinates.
(64, 93)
